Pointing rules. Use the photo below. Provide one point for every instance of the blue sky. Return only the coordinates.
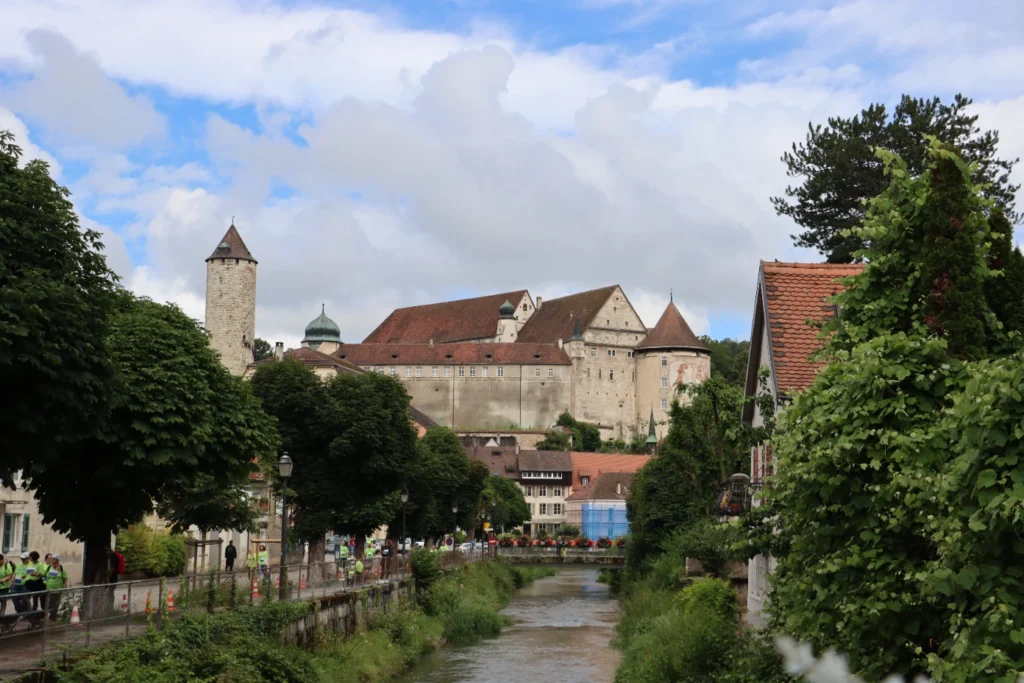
(375, 155)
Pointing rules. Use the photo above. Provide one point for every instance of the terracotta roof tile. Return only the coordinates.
(448, 321)
(459, 353)
(608, 486)
(671, 332)
(555, 319)
(545, 461)
(594, 464)
(231, 246)
(501, 461)
(795, 293)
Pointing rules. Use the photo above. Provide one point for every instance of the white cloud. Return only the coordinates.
(22, 138)
(76, 101)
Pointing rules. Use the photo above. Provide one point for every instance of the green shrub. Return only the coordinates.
(713, 596)
(426, 568)
(679, 646)
(471, 620)
(710, 543)
(756, 660)
(567, 530)
(152, 552)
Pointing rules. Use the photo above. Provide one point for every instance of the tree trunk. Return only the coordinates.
(360, 546)
(97, 559)
(317, 552)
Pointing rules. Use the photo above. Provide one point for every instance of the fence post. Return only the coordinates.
(89, 612)
(128, 616)
(46, 631)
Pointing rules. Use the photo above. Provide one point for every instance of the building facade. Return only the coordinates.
(599, 508)
(781, 341)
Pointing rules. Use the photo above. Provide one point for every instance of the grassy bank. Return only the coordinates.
(458, 607)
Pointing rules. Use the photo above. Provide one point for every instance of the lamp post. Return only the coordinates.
(405, 499)
(455, 519)
(284, 468)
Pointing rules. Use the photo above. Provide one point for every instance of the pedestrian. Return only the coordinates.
(116, 561)
(251, 563)
(19, 587)
(230, 553)
(264, 562)
(358, 569)
(6, 582)
(34, 584)
(56, 579)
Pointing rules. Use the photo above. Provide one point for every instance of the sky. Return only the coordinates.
(380, 155)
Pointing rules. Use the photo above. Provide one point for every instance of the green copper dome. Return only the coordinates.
(322, 329)
(506, 310)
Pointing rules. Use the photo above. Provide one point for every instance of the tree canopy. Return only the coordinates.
(55, 295)
(728, 359)
(505, 504)
(839, 171)
(261, 349)
(437, 479)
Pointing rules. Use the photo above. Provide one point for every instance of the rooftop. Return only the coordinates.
(672, 332)
(448, 321)
(594, 465)
(501, 461)
(556, 318)
(545, 461)
(608, 486)
(459, 353)
(231, 246)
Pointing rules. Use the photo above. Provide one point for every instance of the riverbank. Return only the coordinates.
(456, 607)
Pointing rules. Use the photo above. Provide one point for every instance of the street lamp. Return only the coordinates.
(405, 499)
(455, 518)
(284, 468)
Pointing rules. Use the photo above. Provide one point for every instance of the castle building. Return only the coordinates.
(495, 361)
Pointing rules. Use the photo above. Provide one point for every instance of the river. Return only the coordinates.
(561, 630)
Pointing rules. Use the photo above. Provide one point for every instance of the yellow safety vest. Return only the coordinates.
(264, 558)
(20, 574)
(359, 566)
(252, 561)
(55, 579)
(5, 572)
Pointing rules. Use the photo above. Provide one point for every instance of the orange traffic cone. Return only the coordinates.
(170, 601)
(75, 620)
(302, 582)
(124, 603)
(149, 602)
(277, 581)
(255, 589)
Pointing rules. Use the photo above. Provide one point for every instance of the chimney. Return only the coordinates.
(559, 343)
(431, 342)
(540, 300)
(517, 449)
(618, 488)
(279, 351)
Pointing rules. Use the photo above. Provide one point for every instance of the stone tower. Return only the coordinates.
(670, 355)
(231, 301)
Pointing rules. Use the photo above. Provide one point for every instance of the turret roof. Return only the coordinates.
(322, 329)
(672, 332)
(231, 246)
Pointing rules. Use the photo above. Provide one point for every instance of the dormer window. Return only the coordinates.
(584, 481)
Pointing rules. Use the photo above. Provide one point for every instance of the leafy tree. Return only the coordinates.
(840, 172)
(505, 504)
(471, 495)
(1003, 293)
(861, 451)
(208, 506)
(728, 359)
(261, 349)
(436, 480)
(554, 441)
(586, 437)
(55, 295)
(176, 414)
(374, 443)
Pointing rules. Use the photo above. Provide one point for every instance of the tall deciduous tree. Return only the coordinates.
(504, 503)
(55, 294)
(261, 349)
(1003, 292)
(436, 480)
(176, 414)
(840, 172)
(728, 359)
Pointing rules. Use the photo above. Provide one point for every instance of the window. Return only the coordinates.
(472, 372)
(419, 372)
(556, 492)
(611, 352)
(24, 533)
(524, 307)
(664, 361)
(664, 404)
(611, 375)
(485, 371)
(394, 372)
(8, 544)
(593, 352)
(543, 508)
(630, 354)
(501, 372)
(529, 490)
(584, 481)
(542, 491)
(536, 372)
(433, 371)
(556, 509)
(551, 372)
(408, 372)
(462, 372)
(447, 372)
(664, 382)
(531, 509)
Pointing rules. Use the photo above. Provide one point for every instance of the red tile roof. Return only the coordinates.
(595, 464)
(672, 332)
(460, 353)
(608, 486)
(793, 294)
(448, 321)
(502, 461)
(555, 319)
(545, 461)
(231, 246)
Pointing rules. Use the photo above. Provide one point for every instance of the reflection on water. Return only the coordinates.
(561, 632)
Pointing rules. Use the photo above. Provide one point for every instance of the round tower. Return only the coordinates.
(323, 334)
(231, 301)
(670, 355)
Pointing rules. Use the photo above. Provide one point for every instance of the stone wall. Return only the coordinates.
(231, 311)
(681, 367)
(348, 612)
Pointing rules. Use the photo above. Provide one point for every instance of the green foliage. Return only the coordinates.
(505, 504)
(1003, 291)
(261, 349)
(710, 543)
(839, 169)
(439, 477)
(728, 359)
(426, 568)
(712, 596)
(55, 295)
(152, 552)
(567, 530)
(586, 437)
(554, 441)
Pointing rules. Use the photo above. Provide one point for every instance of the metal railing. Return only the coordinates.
(37, 629)
(553, 551)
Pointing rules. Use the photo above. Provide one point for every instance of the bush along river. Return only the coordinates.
(561, 628)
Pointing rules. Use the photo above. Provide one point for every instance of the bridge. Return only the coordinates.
(600, 557)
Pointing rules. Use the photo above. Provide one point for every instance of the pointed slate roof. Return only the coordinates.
(231, 246)
(672, 332)
(651, 436)
(557, 318)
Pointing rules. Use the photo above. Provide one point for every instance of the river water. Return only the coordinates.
(561, 630)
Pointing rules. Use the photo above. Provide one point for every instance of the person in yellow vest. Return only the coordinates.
(56, 578)
(264, 561)
(358, 569)
(34, 584)
(20, 580)
(6, 582)
(251, 562)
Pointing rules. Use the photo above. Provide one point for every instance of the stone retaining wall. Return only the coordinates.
(347, 613)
